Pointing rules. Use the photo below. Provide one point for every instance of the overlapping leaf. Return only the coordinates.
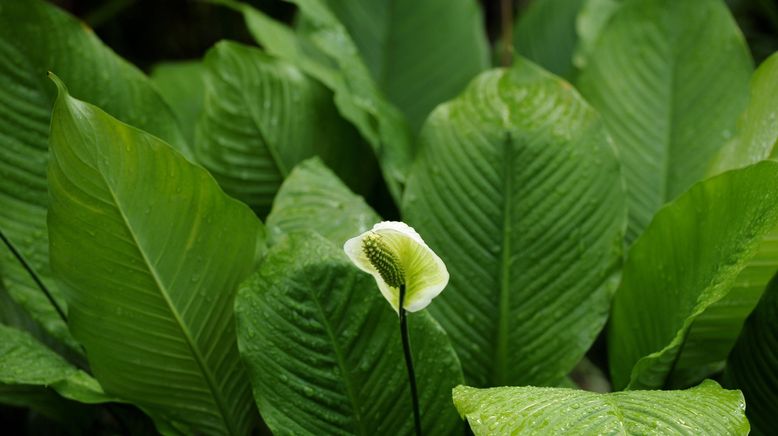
(545, 33)
(182, 85)
(420, 54)
(150, 251)
(518, 189)
(753, 364)
(261, 117)
(685, 261)
(670, 78)
(327, 53)
(705, 409)
(313, 198)
(323, 348)
(36, 37)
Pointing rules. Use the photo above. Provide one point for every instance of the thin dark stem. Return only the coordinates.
(506, 24)
(34, 276)
(409, 362)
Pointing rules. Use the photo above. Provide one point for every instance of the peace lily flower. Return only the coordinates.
(395, 255)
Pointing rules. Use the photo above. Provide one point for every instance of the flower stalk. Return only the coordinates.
(409, 363)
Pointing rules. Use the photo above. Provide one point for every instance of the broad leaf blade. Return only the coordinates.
(150, 280)
(262, 116)
(685, 261)
(753, 364)
(757, 129)
(545, 33)
(323, 348)
(705, 409)
(517, 187)
(328, 54)
(714, 332)
(181, 84)
(670, 78)
(25, 361)
(36, 37)
(313, 198)
(420, 54)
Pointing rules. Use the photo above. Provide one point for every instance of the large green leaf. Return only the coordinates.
(419, 53)
(670, 78)
(313, 198)
(327, 53)
(323, 349)
(149, 252)
(517, 187)
(685, 261)
(753, 363)
(25, 361)
(705, 409)
(182, 85)
(36, 37)
(757, 128)
(714, 332)
(545, 33)
(262, 116)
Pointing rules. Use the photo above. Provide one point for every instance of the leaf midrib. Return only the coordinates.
(199, 359)
(360, 425)
(501, 357)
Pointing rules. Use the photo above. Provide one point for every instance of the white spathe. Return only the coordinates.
(425, 273)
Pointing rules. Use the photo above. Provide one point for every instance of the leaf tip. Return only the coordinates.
(61, 88)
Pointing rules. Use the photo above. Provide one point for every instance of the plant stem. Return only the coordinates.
(34, 276)
(409, 362)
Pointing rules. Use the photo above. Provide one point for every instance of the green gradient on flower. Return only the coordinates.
(422, 271)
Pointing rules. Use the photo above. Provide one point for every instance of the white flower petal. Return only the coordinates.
(425, 273)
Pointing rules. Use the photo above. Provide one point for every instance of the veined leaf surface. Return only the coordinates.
(705, 409)
(36, 37)
(323, 349)
(420, 54)
(149, 252)
(517, 188)
(262, 116)
(686, 260)
(670, 79)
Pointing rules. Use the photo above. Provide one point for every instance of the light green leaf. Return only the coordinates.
(36, 37)
(685, 261)
(262, 116)
(327, 53)
(517, 187)
(182, 85)
(753, 363)
(757, 129)
(313, 198)
(150, 280)
(545, 33)
(420, 54)
(592, 17)
(705, 409)
(323, 348)
(25, 361)
(670, 78)
(714, 332)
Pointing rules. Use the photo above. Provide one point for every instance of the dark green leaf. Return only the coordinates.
(36, 37)
(420, 54)
(262, 116)
(313, 198)
(328, 54)
(545, 33)
(670, 78)
(150, 251)
(323, 349)
(753, 363)
(517, 188)
(685, 261)
(181, 84)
